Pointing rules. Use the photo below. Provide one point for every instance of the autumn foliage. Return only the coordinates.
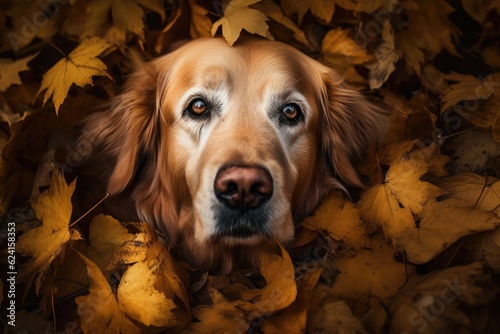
(417, 251)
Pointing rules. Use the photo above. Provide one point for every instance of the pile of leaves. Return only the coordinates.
(417, 252)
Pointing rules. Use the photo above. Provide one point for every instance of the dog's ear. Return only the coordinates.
(349, 126)
(129, 126)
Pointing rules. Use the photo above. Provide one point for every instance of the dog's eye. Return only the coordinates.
(291, 112)
(197, 107)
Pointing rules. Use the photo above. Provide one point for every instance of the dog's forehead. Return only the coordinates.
(211, 62)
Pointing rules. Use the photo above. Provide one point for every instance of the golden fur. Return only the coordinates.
(167, 162)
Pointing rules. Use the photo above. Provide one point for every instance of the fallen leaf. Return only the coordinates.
(238, 16)
(43, 244)
(9, 71)
(485, 247)
(433, 303)
(386, 55)
(338, 219)
(280, 290)
(391, 204)
(200, 23)
(469, 88)
(335, 318)
(294, 318)
(126, 16)
(479, 191)
(273, 11)
(370, 275)
(78, 68)
(223, 316)
(100, 311)
(441, 224)
(479, 9)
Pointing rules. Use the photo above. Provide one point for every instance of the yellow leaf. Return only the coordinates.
(99, 311)
(238, 16)
(293, 319)
(106, 235)
(412, 54)
(43, 244)
(429, 26)
(280, 290)
(372, 272)
(223, 316)
(78, 68)
(338, 219)
(478, 191)
(9, 71)
(434, 303)
(334, 317)
(273, 11)
(469, 88)
(126, 16)
(386, 55)
(443, 223)
(390, 205)
(200, 23)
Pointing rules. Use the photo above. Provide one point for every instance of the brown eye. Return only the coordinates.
(291, 112)
(197, 107)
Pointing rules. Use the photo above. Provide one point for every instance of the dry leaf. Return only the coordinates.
(334, 318)
(238, 16)
(370, 275)
(78, 68)
(294, 318)
(9, 71)
(469, 88)
(386, 55)
(441, 224)
(280, 290)
(479, 9)
(223, 316)
(43, 244)
(100, 311)
(391, 204)
(338, 219)
(432, 303)
(485, 247)
(200, 23)
(273, 11)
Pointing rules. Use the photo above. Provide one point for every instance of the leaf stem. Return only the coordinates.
(92, 208)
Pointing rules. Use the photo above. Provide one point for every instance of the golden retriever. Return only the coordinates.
(225, 149)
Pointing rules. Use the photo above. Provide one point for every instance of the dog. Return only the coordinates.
(225, 149)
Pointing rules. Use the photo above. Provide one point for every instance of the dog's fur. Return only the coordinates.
(168, 160)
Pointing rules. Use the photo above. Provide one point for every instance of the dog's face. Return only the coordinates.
(228, 147)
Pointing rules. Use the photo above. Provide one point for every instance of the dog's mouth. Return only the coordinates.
(237, 225)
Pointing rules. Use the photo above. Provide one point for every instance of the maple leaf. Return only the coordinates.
(391, 204)
(200, 23)
(78, 68)
(99, 311)
(441, 224)
(126, 16)
(106, 236)
(9, 71)
(338, 219)
(469, 88)
(273, 11)
(44, 243)
(415, 306)
(223, 316)
(238, 16)
(280, 290)
(479, 191)
(334, 317)
(371, 272)
(294, 318)
(412, 54)
(429, 26)
(386, 55)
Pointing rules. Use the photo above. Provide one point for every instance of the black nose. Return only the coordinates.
(243, 187)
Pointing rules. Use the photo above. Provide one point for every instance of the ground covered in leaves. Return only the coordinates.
(418, 251)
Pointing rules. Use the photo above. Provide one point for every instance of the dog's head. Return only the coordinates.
(228, 147)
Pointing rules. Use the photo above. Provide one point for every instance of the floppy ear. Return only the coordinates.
(349, 126)
(129, 126)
